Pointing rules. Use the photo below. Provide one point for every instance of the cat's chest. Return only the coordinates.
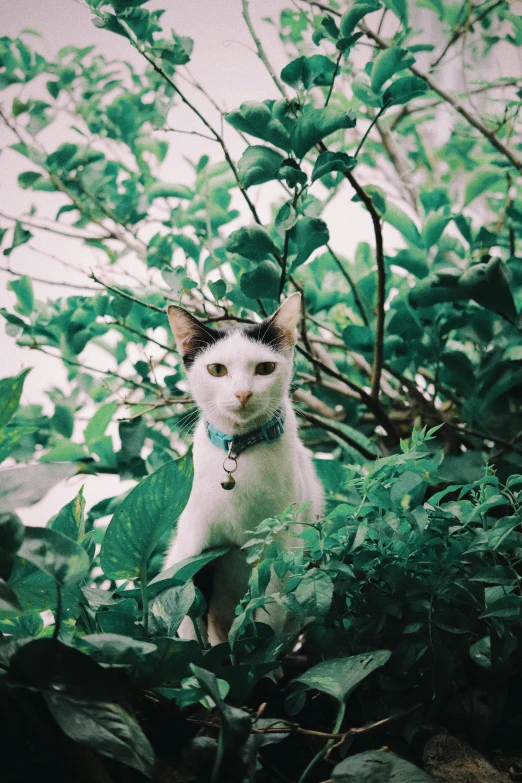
(264, 487)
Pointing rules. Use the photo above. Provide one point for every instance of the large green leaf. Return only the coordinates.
(400, 220)
(332, 161)
(359, 9)
(376, 766)
(258, 164)
(235, 723)
(314, 71)
(70, 519)
(315, 124)
(338, 677)
(55, 555)
(97, 425)
(81, 695)
(262, 282)
(10, 393)
(146, 514)
(251, 242)
(307, 235)
(388, 63)
(403, 90)
(315, 592)
(257, 120)
(170, 607)
(482, 181)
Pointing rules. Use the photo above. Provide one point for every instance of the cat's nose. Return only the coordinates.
(243, 396)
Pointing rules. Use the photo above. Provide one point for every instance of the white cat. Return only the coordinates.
(240, 379)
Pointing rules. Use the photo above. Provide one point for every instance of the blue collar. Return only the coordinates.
(235, 444)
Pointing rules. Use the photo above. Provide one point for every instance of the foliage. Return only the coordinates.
(405, 599)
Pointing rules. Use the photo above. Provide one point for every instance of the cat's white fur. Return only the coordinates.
(269, 477)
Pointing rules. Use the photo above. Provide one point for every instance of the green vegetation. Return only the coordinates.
(406, 598)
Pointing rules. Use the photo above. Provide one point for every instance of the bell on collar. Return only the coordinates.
(228, 482)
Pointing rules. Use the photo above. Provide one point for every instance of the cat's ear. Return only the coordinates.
(285, 319)
(190, 334)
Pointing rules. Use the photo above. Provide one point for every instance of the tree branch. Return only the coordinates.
(261, 52)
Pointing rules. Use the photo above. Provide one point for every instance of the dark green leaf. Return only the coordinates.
(338, 677)
(10, 393)
(258, 164)
(170, 607)
(332, 161)
(70, 520)
(235, 723)
(375, 766)
(315, 124)
(387, 63)
(55, 555)
(257, 120)
(146, 514)
(307, 235)
(63, 420)
(262, 282)
(403, 90)
(314, 71)
(359, 9)
(251, 242)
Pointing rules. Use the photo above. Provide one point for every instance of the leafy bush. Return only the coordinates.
(406, 597)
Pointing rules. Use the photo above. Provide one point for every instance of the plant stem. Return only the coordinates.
(144, 594)
(368, 129)
(218, 759)
(58, 612)
(260, 51)
(337, 64)
(321, 753)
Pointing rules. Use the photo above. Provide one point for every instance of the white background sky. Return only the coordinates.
(224, 61)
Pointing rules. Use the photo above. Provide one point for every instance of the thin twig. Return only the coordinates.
(261, 52)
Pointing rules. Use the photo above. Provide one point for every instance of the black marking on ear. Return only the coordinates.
(203, 338)
(267, 333)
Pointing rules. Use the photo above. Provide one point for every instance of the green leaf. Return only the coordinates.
(218, 289)
(315, 592)
(306, 236)
(55, 555)
(403, 90)
(351, 18)
(235, 723)
(20, 237)
(483, 180)
(97, 425)
(63, 420)
(170, 607)
(399, 220)
(376, 766)
(433, 229)
(184, 570)
(316, 124)
(258, 164)
(332, 161)
(10, 393)
(70, 520)
(387, 63)
(116, 650)
(251, 242)
(146, 514)
(262, 282)
(168, 190)
(23, 288)
(9, 603)
(11, 533)
(65, 451)
(339, 676)
(258, 120)
(169, 664)
(359, 338)
(400, 8)
(363, 92)
(314, 71)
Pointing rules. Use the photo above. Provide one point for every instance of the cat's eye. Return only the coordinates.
(217, 370)
(265, 368)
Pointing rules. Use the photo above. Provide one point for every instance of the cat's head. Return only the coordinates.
(238, 376)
